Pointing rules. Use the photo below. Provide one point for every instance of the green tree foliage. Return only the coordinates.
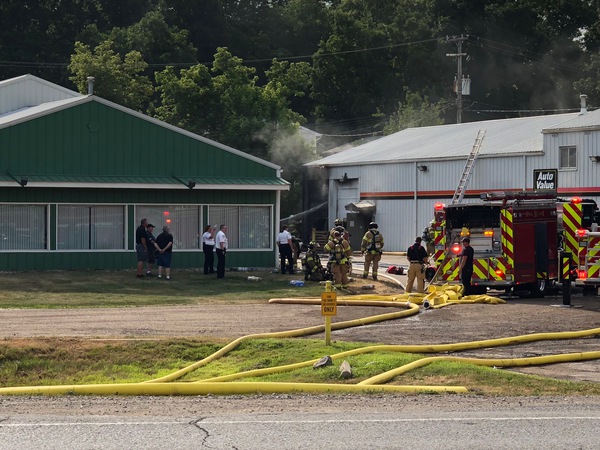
(362, 66)
(417, 111)
(522, 54)
(226, 103)
(37, 36)
(590, 83)
(117, 79)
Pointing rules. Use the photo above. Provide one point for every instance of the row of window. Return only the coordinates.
(103, 227)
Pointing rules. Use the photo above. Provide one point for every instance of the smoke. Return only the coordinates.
(287, 148)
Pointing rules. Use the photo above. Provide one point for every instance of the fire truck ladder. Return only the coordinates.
(459, 193)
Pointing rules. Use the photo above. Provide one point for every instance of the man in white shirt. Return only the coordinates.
(221, 246)
(284, 242)
(208, 245)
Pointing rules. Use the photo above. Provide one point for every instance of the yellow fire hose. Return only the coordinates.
(440, 348)
(437, 297)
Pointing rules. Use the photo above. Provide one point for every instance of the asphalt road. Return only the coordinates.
(514, 425)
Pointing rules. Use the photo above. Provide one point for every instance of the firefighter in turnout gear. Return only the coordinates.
(429, 237)
(339, 255)
(417, 256)
(372, 247)
(313, 270)
(338, 225)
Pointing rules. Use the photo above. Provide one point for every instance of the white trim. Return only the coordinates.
(277, 223)
(199, 187)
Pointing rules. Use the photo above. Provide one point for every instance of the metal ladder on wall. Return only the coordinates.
(459, 193)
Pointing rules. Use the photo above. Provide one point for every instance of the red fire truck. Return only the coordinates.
(578, 227)
(514, 236)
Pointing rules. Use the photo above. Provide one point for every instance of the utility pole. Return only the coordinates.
(459, 80)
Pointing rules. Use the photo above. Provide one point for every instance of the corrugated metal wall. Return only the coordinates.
(93, 139)
(401, 218)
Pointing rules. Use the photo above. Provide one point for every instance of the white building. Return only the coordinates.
(404, 174)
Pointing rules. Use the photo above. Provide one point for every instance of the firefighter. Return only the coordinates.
(372, 248)
(337, 224)
(429, 237)
(313, 270)
(339, 255)
(466, 266)
(417, 257)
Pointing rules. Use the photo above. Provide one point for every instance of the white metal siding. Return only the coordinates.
(28, 91)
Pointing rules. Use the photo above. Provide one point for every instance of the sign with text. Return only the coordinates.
(545, 179)
(328, 303)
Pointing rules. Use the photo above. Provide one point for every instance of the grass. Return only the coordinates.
(79, 361)
(25, 362)
(90, 289)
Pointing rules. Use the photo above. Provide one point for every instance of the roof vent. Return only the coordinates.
(583, 99)
(90, 81)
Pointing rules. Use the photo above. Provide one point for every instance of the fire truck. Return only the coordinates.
(578, 228)
(514, 236)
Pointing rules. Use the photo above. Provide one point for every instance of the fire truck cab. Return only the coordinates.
(514, 238)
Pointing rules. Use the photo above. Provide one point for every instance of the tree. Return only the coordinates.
(225, 103)
(37, 36)
(522, 54)
(590, 83)
(363, 66)
(117, 79)
(417, 111)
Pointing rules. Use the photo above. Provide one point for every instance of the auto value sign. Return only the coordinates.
(545, 179)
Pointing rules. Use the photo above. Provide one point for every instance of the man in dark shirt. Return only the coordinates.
(165, 243)
(141, 247)
(152, 250)
(466, 266)
(417, 258)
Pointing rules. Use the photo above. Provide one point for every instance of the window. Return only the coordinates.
(568, 157)
(249, 227)
(83, 227)
(23, 227)
(183, 220)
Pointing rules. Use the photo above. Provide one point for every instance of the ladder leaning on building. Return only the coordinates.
(459, 193)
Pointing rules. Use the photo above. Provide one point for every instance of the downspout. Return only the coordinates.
(525, 173)
(416, 209)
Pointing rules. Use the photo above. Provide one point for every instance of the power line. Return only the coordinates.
(247, 61)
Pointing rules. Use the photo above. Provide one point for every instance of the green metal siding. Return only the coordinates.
(94, 139)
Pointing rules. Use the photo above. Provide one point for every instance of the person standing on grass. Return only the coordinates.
(141, 247)
(208, 247)
(221, 245)
(284, 243)
(152, 248)
(165, 244)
